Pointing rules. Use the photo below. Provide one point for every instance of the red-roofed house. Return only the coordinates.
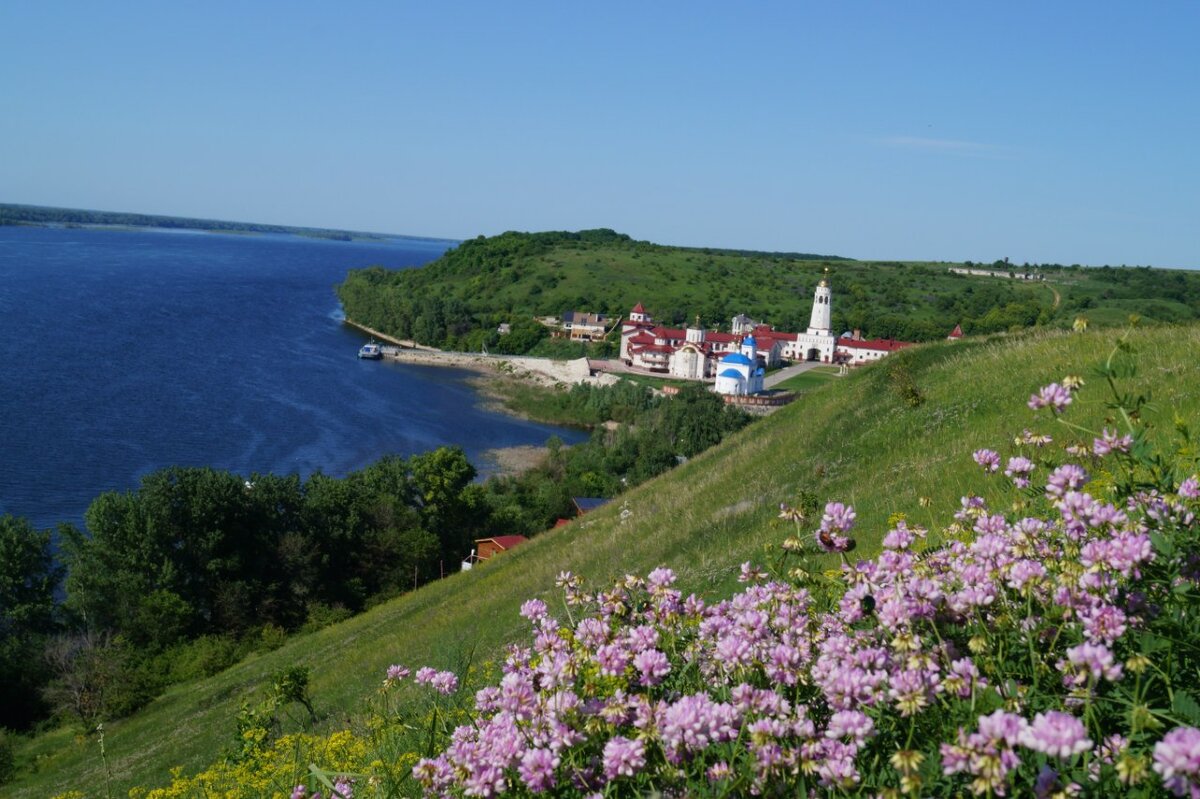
(487, 548)
(955, 334)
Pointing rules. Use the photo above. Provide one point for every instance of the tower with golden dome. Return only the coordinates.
(818, 343)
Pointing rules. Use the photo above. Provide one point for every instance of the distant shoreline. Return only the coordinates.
(17, 215)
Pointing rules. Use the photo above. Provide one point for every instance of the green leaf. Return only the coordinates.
(1163, 545)
(1152, 643)
(1186, 707)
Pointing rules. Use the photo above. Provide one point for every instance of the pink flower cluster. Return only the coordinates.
(782, 689)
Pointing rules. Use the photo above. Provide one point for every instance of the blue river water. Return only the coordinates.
(122, 352)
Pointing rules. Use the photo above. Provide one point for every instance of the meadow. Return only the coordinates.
(893, 438)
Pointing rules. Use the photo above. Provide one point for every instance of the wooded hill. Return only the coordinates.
(457, 301)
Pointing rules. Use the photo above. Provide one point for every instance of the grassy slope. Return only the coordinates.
(851, 439)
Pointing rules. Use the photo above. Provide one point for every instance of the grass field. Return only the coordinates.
(855, 439)
(811, 379)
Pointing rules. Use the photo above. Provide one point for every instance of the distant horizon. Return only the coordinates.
(363, 231)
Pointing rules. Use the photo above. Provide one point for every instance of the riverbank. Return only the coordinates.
(540, 371)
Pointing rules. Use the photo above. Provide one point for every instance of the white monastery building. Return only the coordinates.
(736, 361)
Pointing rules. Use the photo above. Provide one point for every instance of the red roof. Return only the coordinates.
(956, 332)
(653, 348)
(638, 309)
(721, 337)
(882, 344)
(642, 338)
(669, 333)
(504, 541)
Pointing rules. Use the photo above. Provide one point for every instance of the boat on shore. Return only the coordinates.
(370, 352)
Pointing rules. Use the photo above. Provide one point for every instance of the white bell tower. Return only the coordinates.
(820, 324)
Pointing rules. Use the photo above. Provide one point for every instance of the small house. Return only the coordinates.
(487, 548)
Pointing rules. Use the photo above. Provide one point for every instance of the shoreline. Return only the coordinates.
(541, 371)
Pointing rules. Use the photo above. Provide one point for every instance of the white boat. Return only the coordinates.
(372, 351)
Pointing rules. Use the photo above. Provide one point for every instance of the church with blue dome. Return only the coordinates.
(739, 373)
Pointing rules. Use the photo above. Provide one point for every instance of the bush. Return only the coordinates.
(204, 657)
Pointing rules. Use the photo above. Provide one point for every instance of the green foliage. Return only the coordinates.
(291, 685)
(457, 301)
(28, 579)
(656, 432)
(901, 380)
(581, 405)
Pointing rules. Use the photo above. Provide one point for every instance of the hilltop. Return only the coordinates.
(457, 301)
(882, 439)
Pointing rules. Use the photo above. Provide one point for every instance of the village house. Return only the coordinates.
(488, 548)
(584, 326)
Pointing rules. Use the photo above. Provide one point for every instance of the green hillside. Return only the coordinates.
(881, 439)
(458, 300)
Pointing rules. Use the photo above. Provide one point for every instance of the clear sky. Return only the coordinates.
(1038, 131)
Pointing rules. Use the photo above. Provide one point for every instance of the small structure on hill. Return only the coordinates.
(585, 504)
(488, 548)
(955, 334)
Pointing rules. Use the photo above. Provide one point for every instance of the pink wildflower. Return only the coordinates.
(1064, 478)
(1177, 761)
(1056, 734)
(1110, 442)
(395, 674)
(537, 769)
(652, 665)
(988, 459)
(1190, 488)
(1018, 470)
(533, 609)
(1053, 396)
(837, 520)
(623, 757)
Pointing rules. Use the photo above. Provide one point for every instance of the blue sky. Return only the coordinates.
(1038, 131)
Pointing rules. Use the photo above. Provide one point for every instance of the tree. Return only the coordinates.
(28, 615)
